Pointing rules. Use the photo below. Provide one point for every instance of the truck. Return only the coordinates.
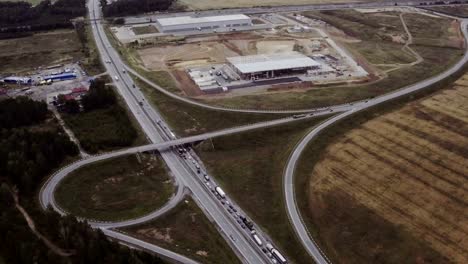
(269, 247)
(299, 116)
(278, 256)
(220, 192)
(247, 222)
(257, 240)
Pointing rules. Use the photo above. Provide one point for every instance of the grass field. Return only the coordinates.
(145, 30)
(188, 120)
(403, 173)
(249, 167)
(186, 230)
(461, 11)
(41, 49)
(214, 4)
(121, 188)
(33, 2)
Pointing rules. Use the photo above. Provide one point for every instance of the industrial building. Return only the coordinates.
(60, 77)
(17, 80)
(264, 66)
(188, 23)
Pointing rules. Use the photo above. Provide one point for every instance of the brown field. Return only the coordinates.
(408, 168)
(216, 4)
(179, 56)
(42, 49)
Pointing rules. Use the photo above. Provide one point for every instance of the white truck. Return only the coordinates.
(220, 192)
(257, 239)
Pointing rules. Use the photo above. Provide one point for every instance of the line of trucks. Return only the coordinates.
(271, 252)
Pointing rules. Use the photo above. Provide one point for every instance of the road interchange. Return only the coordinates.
(158, 134)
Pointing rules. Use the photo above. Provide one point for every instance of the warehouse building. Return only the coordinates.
(188, 23)
(60, 77)
(17, 80)
(264, 66)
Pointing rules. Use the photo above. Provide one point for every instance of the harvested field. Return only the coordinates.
(42, 49)
(405, 173)
(215, 4)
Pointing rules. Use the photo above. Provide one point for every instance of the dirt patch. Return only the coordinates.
(154, 233)
(186, 83)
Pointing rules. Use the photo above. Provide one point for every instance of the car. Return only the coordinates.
(223, 202)
(264, 250)
(229, 210)
(239, 221)
(269, 255)
(243, 226)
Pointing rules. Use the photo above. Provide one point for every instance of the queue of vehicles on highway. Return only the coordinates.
(273, 254)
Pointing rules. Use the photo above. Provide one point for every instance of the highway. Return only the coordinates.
(293, 211)
(157, 131)
(162, 138)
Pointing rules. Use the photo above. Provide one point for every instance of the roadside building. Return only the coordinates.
(190, 23)
(265, 66)
(17, 80)
(60, 77)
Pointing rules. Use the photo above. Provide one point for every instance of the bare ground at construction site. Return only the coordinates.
(398, 185)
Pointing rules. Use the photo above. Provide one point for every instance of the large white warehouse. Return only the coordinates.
(263, 66)
(188, 23)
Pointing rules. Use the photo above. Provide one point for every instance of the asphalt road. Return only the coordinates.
(148, 117)
(293, 211)
(157, 131)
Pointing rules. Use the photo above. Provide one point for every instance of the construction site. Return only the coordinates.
(207, 55)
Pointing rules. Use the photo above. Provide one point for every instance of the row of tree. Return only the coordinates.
(133, 7)
(102, 124)
(16, 18)
(31, 148)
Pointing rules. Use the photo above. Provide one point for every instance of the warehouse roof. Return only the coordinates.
(271, 62)
(182, 20)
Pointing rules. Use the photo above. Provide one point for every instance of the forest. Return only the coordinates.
(33, 146)
(102, 124)
(133, 7)
(21, 18)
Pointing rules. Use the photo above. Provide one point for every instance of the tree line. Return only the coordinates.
(32, 146)
(133, 7)
(102, 124)
(21, 18)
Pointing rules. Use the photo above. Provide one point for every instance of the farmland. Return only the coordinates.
(186, 230)
(214, 4)
(121, 188)
(402, 173)
(41, 49)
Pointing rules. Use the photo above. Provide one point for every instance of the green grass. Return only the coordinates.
(121, 188)
(103, 129)
(186, 230)
(383, 52)
(162, 78)
(145, 30)
(250, 167)
(187, 120)
(33, 2)
(22, 55)
(353, 230)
